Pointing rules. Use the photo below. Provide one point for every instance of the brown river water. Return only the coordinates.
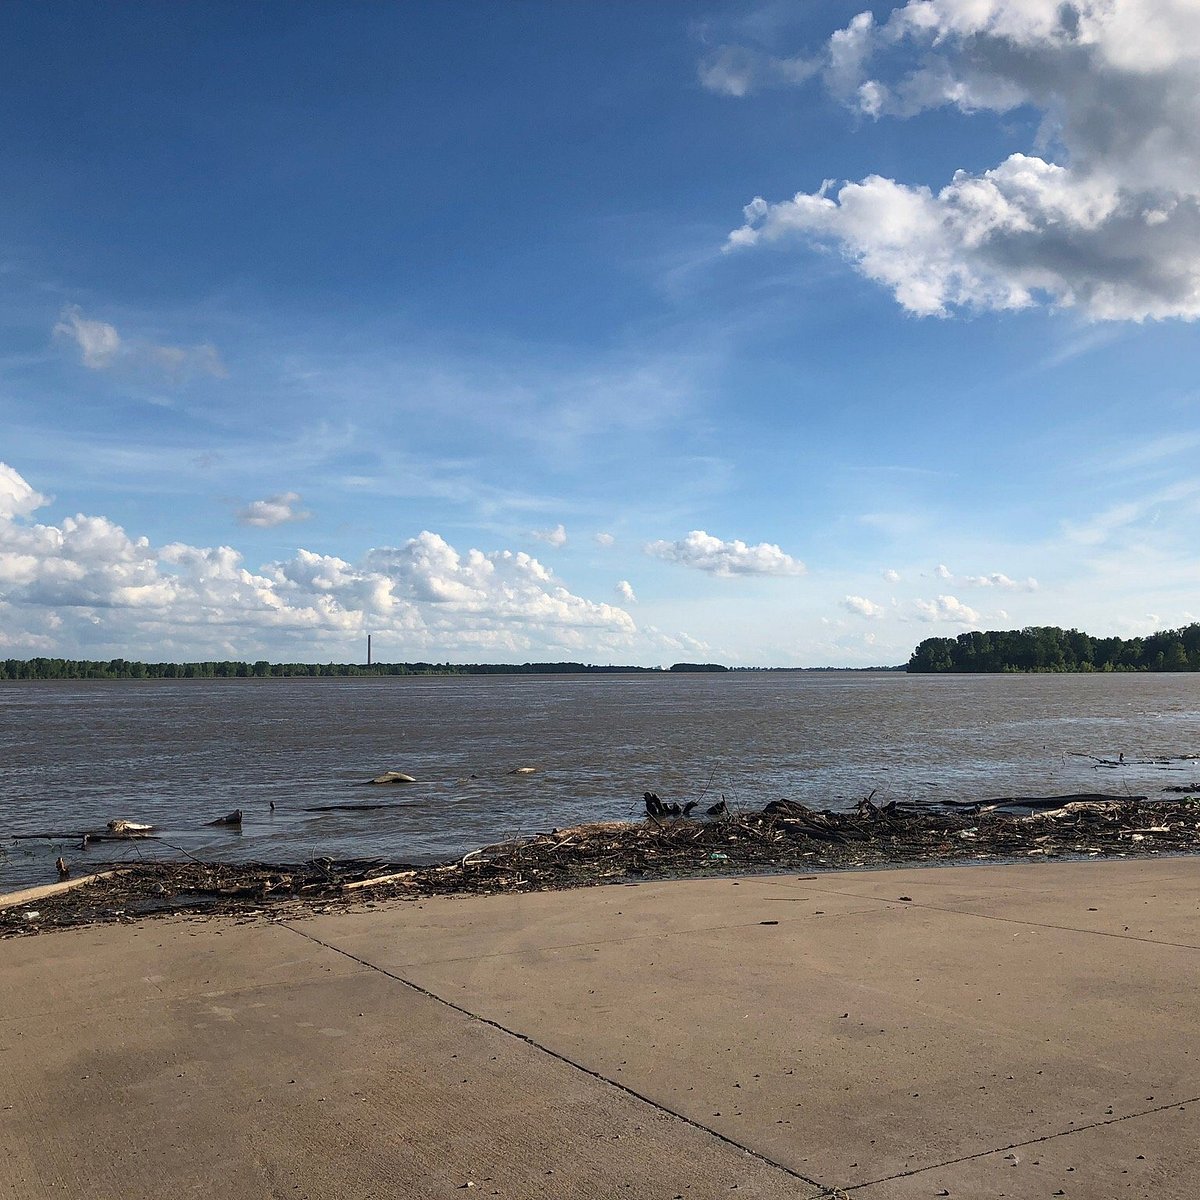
(178, 753)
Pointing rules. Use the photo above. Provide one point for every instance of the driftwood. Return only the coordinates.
(395, 877)
(784, 836)
(47, 891)
(1048, 802)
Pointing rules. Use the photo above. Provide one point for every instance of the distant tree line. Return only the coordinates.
(1048, 648)
(121, 668)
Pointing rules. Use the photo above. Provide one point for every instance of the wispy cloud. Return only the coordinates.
(994, 579)
(102, 348)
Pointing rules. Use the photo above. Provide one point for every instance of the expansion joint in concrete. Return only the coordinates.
(1049, 1137)
(570, 1062)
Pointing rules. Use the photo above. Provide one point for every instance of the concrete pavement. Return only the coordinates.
(1021, 1031)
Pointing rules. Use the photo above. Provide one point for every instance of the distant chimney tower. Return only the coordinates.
(368, 649)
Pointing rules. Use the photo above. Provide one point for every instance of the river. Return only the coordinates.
(179, 753)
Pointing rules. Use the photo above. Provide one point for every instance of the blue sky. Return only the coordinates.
(447, 322)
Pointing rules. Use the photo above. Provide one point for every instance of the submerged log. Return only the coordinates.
(1048, 802)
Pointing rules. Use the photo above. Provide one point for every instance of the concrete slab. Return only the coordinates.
(850, 1045)
(1152, 1157)
(92, 971)
(1157, 899)
(445, 929)
(252, 1075)
(847, 1038)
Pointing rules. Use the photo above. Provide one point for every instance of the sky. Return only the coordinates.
(771, 333)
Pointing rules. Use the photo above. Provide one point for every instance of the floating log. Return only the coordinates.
(122, 826)
(391, 777)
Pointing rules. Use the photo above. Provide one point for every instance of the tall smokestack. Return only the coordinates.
(368, 649)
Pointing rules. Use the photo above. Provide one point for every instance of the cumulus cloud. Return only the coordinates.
(556, 537)
(993, 580)
(87, 571)
(946, 609)
(17, 498)
(102, 348)
(605, 539)
(862, 607)
(274, 510)
(625, 591)
(891, 576)
(1107, 222)
(707, 553)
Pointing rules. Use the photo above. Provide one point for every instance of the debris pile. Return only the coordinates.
(783, 836)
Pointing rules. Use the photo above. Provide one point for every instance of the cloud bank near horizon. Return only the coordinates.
(85, 580)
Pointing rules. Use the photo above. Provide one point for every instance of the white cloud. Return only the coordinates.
(678, 641)
(605, 539)
(17, 498)
(625, 591)
(862, 606)
(274, 510)
(947, 609)
(556, 537)
(1109, 224)
(997, 580)
(102, 348)
(707, 553)
(891, 576)
(89, 574)
(738, 70)
(993, 580)
(98, 342)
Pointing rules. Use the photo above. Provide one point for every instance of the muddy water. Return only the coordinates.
(179, 753)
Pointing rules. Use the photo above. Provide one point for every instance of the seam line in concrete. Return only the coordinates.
(568, 1061)
(961, 912)
(1049, 1137)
